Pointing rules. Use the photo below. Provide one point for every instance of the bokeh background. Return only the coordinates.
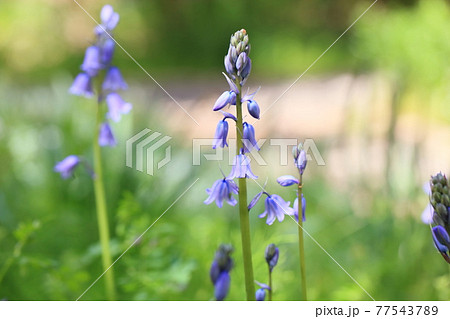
(376, 105)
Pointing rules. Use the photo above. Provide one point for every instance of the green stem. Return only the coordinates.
(102, 215)
(243, 210)
(301, 245)
(270, 285)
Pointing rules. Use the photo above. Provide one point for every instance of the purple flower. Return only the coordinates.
(220, 138)
(287, 180)
(226, 98)
(222, 286)
(109, 19)
(300, 159)
(106, 137)
(221, 190)
(82, 85)
(246, 71)
(219, 272)
(253, 108)
(67, 166)
(249, 139)
(303, 208)
(113, 80)
(107, 51)
(260, 294)
(91, 64)
(276, 208)
(441, 238)
(241, 168)
(241, 62)
(271, 254)
(116, 106)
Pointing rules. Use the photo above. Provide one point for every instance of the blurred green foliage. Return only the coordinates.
(49, 246)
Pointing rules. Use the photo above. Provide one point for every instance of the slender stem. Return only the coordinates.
(243, 211)
(301, 245)
(270, 285)
(102, 215)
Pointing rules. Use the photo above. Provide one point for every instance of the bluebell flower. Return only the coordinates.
(113, 80)
(116, 106)
(300, 159)
(287, 180)
(275, 208)
(246, 70)
(92, 64)
(107, 51)
(241, 168)
(82, 85)
(219, 272)
(260, 294)
(237, 61)
(226, 98)
(253, 108)
(296, 208)
(106, 137)
(441, 238)
(249, 139)
(271, 254)
(222, 286)
(221, 190)
(109, 20)
(67, 166)
(220, 137)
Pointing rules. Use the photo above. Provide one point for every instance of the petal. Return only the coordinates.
(232, 85)
(255, 200)
(287, 180)
(222, 101)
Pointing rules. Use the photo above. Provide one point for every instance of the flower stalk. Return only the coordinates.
(100, 201)
(243, 210)
(301, 245)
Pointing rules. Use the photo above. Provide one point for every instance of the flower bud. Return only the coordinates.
(271, 254)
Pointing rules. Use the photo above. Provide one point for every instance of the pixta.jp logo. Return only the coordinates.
(142, 148)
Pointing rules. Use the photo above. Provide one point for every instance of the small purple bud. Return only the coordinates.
(300, 159)
(246, 70)
(287, 180)
(220, 137)
(82, 85)
(106, 137)
(67, 166)
(260, 294)
(222, 101)
(116, 106)
(271, 254)
(441, 239)
(222, 286)
(303, 209)
(91, 64)
(113, 80)
(228, 66)
(248, 138)
(241, 61)
(253, 108)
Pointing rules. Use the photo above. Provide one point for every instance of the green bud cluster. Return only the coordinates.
(440, 199)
